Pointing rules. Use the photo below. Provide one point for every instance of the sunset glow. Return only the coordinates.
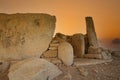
(71, 14)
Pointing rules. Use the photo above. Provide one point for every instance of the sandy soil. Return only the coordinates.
(104, 71)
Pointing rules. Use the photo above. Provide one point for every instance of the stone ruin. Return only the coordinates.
(26, 39)
(84, 46)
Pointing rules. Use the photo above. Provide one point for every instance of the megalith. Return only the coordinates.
(25, 35)
(91, 34)
(78, 43)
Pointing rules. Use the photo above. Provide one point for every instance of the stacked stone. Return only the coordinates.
(60, 49)
(52, 50)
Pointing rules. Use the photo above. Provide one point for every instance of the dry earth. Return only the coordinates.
(104, 71)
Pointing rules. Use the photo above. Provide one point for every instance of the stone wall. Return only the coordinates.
(25, 35)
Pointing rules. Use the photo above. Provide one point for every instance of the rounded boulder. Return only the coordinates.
(65, 53)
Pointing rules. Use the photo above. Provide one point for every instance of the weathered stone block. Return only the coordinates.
(53, 48)
(25, 35)
(93, 56)
(94, 50)
(78, 44)
(51, 54)
(54, 45)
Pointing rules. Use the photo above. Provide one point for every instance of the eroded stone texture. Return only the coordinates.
(25, 35)
(51, 54)
(33, 69)
(78, 44)
(65, 53)
(4, 66)
(91, 34)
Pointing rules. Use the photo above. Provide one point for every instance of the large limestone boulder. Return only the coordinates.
(25, 35)
(65, 53)
(33, 69)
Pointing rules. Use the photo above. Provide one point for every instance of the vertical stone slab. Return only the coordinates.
(92, 38)
(78, 44)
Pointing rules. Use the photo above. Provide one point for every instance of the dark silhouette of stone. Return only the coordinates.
(86, 43)
(91, 34)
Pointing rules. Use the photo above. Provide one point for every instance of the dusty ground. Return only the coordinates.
(104, 71)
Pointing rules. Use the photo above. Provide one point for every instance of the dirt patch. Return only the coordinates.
(104, 71)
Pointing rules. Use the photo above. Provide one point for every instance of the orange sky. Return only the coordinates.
(71, 14)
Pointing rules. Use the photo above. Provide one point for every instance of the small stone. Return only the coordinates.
(50, 54)
(93, 56)
(56, 61)
(106, 55)
(96, 71)
(68, 76)
(4, 66)
(82, 71)
(54, 45)
(94, 50)
(54, 41)
(52, 48)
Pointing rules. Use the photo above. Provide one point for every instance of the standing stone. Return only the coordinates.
(25, 35)
(78, 44)
(92, 38)
(65, 53)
